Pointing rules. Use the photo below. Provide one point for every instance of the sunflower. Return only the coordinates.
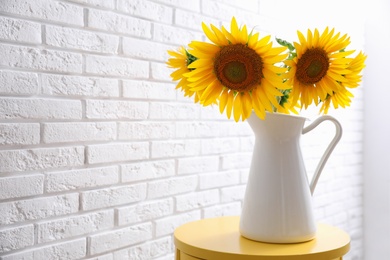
(343, 97)
(180, 61)
(237, 70)
(321, 70)
(356, 66)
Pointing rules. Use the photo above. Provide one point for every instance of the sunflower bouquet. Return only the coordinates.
(242, 72)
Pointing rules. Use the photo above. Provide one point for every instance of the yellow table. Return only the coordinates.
(219, 239)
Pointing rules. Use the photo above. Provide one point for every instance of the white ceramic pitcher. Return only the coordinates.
(277, 205)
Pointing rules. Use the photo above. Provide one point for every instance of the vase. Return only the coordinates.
(277, 206)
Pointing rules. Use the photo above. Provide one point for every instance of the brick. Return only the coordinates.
(78, 132)
(194, 165)
(145, 211)
(175, 148)
(352, 159)
(197, 129)
(232, 209)
(172, 186)
(173, 111)
(19, 134)
(19, 83)
(224, 12)
(102, 257)
(353, 137)
(117, 66)
(340, 218)
(19, 30)
(192, 20)
(234, 129)
(174, 35)
(109, 21)
(161, 72)
(38, 208)
(244, 175)
(81, 40)
(113, 109)
(322, 200)
(220, 145)
(45, 10)
(147, 170)
(148, 90)
(145, 130)
(166, 226)
(236, 161)
(213, 113)
(149, 250)
(193, 5)
(355, 220)
(233, 193)
(146, 9)
(14, 56)
(197, 200)
(69, 250)
(247, 144)
(40, 158)
(99, 3)
(68, 85)
(74, 226)
(120, 238)
(334, 208)
(16, 238)
(117, 152)
(145, 49)
(21, 186)
(219, 179)
(251, 5)
(29, 108)
(167, 257)
(97, 199)
(81, 179)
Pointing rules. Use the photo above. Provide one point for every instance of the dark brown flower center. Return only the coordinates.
(312, 66)
(238, 67)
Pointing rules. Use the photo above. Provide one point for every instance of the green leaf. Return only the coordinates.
(284, 98)
(286, 44)
(190, 59)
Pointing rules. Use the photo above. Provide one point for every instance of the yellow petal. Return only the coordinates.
(221, 37)
(223, 101)
(229, 36)
(237, 107)
(253, 40)
(244, 35)
(229, 105)
(204, 47)
(201, 63)
(309, 39)
(264, 100)
(247, 106)
(302, 39)
(316, 38)
(210, 34)
(211, 93)
(234, 27)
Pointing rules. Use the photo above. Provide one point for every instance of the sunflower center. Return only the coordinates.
(312, 66)
(238, 67)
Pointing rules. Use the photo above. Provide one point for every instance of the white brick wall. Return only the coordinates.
(101, 158)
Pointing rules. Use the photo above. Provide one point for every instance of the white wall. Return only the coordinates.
(377, 129)
(101, 158)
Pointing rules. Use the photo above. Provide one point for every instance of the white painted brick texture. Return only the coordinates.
(101, 158)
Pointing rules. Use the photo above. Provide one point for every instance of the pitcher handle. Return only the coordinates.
(329, 149)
